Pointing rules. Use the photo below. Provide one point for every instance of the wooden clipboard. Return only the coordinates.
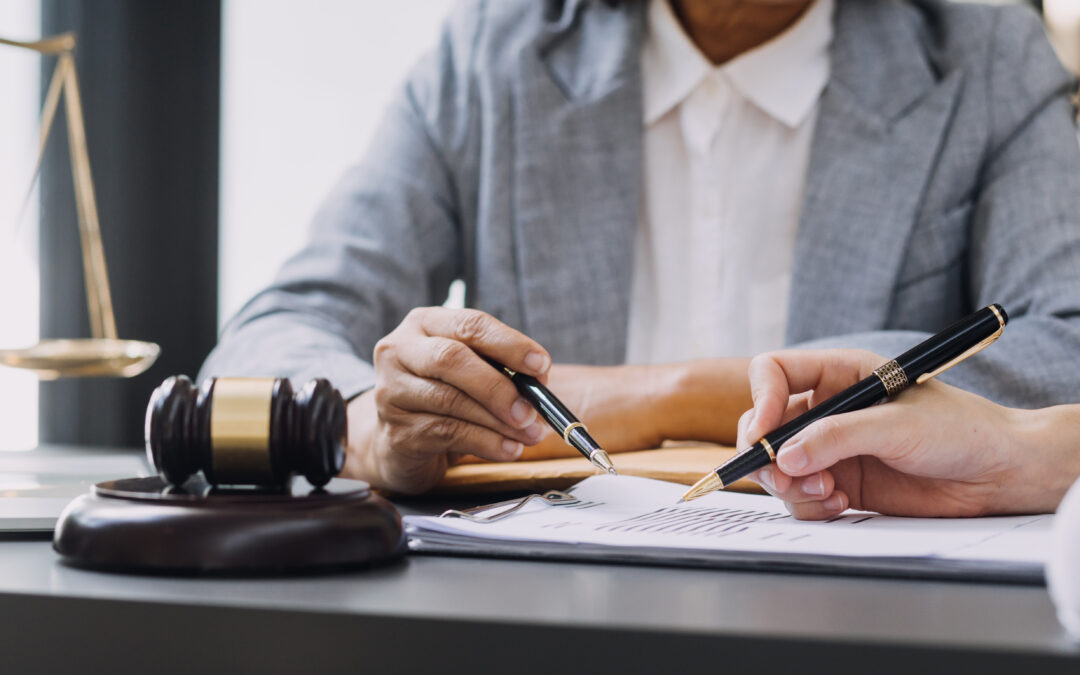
(679, 464)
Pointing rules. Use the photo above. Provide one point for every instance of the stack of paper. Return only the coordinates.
(638, 520)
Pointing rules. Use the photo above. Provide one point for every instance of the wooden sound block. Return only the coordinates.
(144, 525)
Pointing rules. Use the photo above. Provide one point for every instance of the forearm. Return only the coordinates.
(287, 344)
(640, 406)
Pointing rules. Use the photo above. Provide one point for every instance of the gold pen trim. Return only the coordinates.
(710, 483)
(892, 376)
(768, 448)
(974, 350)
(569, 428)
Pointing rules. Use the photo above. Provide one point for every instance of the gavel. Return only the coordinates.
(246, 431)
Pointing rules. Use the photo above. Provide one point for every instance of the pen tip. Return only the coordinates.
(601, 460)
(704, 486)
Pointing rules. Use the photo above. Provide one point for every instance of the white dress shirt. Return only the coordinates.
(726, 151)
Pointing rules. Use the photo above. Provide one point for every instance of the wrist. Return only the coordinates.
(702, 400)
(1046, 461)
(665, 390)
(359, 457)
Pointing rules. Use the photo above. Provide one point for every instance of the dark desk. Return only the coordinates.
(438, 615)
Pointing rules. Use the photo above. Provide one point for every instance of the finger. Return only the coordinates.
(819, 510)
(775, 376)
(487, 335)
(808, 370)
(414, 394)
(773, 481)
(433, 434)
(797, 405)
(457, 365)
(873, 431)
(813, 488)
(741, 438)
(770, 392)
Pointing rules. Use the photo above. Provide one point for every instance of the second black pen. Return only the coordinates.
(560, 418)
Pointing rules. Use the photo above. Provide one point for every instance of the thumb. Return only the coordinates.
(839, 437)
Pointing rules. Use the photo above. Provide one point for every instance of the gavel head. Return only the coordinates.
(246, 431)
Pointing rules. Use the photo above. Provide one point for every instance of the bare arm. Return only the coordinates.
(641, 406)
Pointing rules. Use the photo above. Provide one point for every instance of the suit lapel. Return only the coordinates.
(880, 125)
(577, 165)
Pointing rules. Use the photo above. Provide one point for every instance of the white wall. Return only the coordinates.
(19, 96)
(303, 84)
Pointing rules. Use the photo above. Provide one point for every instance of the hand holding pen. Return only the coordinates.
(803, 398)
(435, 397)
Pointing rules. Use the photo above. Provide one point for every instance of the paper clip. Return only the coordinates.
(551, 497)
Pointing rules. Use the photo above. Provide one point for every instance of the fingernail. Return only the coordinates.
(833, 503)
(792, 458)
(537, 362)
(535, 431)
(766, 478)
(814, 486)
(522, 413)
(512, 449)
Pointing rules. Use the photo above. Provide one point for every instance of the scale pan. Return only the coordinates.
(52, 359)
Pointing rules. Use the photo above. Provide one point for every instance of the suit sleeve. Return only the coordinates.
(385, 240)
(1024, 249)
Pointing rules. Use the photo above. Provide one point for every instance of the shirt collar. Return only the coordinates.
(783, 77)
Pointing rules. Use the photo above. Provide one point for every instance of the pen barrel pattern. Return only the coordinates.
(893, 377)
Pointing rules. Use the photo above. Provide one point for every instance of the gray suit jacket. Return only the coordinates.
(944, 175)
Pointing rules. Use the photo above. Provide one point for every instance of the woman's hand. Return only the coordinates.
(436, 398)
(933, 451)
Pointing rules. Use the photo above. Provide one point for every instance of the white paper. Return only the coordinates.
(626, 511)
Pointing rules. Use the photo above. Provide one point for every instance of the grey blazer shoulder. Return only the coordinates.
(944, 175)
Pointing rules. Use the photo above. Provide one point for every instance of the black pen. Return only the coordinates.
(929, 359)
(558, 416)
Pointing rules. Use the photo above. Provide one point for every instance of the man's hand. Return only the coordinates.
(933, 451)
(435, 397)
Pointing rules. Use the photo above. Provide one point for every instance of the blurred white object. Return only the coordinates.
(1063, 26)
(1063, 571)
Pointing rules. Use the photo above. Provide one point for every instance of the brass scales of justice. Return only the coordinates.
(145, 525)
(104, 354)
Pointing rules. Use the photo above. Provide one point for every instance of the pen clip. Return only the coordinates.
(974, 350)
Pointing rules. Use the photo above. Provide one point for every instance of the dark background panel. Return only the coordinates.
(149, 75)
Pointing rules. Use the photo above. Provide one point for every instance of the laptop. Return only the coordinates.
(36, 485)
